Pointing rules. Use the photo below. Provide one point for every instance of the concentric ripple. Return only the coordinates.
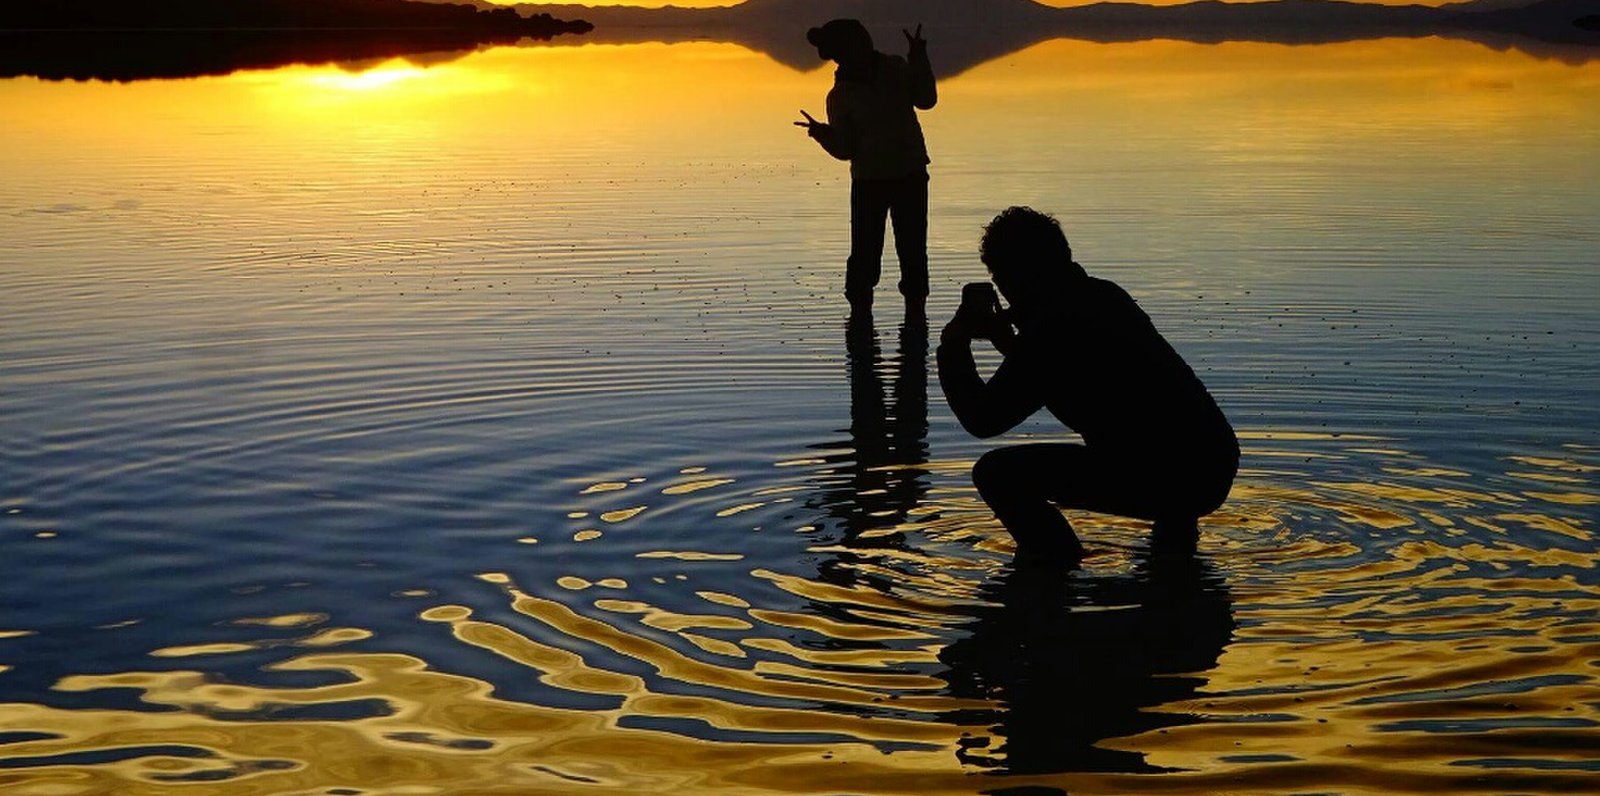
(1429, 631)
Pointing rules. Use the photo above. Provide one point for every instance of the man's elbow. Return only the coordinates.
(925, 103)
(839, 147)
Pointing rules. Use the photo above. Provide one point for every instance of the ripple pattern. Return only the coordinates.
(430, 442)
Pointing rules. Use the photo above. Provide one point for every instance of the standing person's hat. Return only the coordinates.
(836, 37)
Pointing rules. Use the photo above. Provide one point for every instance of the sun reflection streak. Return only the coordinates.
(366, 81)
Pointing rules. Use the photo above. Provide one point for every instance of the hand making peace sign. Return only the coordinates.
(916, 46)
(813, 127)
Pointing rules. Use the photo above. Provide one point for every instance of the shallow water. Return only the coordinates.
(496, 427)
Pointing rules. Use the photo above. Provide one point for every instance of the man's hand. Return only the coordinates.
(978, 317)
(814, 128)
(973, 326)
(916, 46)
(924, 94)
(955, 333)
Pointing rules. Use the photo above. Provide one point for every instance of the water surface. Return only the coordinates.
(496, 426)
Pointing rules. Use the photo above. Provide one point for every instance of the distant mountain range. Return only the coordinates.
(966, 33)
(139, 39)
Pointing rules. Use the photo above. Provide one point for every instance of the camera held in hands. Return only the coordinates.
(979, 300)
(980, 315)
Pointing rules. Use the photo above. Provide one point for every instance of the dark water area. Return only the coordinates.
(465, 429)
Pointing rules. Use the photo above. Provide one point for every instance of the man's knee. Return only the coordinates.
(992, 472)
(913, 263)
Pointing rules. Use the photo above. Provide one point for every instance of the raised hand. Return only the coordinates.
(916, 46)
(813, 127)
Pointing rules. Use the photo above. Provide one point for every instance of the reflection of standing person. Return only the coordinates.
(888, 432)
(872, 122)
(878, 477)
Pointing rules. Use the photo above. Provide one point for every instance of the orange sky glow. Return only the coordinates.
(714, 3)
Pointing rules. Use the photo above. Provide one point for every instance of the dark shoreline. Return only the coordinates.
(127, 56)
(276, 14)
(117, 41)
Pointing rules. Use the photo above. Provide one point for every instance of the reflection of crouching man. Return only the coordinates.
(872, 122)
(1155, 445)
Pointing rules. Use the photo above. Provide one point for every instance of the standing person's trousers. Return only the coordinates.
(905, 201)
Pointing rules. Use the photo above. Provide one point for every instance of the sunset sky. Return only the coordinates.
(713, 3)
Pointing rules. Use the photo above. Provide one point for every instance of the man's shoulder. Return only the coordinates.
(1106, 293)
(1104, 286)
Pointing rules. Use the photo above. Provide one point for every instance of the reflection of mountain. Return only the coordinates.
(966, 33)
(121, 40)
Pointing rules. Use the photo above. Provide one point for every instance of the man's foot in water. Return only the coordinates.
(1175, 538)
(859, 299)
(1048, 553)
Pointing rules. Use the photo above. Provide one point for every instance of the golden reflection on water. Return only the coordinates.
(1416, 628)
(700, 98)
(1334, 636)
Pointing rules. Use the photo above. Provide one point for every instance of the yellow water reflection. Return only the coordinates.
(1405, 664)
(372, 79)
(1408, 627)
(706, 98)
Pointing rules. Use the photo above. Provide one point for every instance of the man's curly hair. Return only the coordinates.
(1022, 235)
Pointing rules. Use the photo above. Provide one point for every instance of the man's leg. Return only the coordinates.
(1207, 477)
(1024, 485)
(869, 204)
(1018, 483)
(910, 214)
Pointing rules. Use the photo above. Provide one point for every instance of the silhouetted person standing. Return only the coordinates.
(872, 122)
(1155, 445)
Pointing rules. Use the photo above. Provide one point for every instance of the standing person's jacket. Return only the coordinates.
(872, 117)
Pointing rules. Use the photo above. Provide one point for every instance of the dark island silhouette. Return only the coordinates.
(119, 40)
(966, 33)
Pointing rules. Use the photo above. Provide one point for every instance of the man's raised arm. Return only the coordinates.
(924, 92)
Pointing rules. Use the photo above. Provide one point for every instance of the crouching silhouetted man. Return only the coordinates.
(1155, 445)
(872, 122)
